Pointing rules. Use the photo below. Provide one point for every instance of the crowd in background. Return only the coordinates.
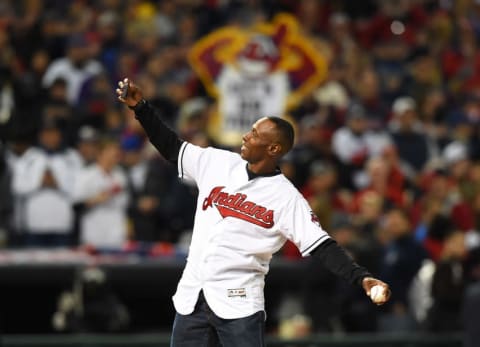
(387, 151)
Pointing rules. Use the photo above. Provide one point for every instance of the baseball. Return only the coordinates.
(377, 293)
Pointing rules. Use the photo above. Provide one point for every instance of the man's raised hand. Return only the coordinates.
(129, 93)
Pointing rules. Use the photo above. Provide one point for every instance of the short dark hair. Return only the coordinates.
(287, 134)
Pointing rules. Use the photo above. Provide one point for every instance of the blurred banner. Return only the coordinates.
(262, 71)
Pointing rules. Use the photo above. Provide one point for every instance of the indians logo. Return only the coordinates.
(237, 206)
(268, 68)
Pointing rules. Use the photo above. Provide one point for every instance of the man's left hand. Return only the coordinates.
(379, 295)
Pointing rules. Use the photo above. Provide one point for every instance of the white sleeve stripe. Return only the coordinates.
(180, 161)
(315, 244)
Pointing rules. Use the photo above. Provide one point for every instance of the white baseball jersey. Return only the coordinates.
(239, 224)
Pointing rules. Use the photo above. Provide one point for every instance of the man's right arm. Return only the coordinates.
(164, 139)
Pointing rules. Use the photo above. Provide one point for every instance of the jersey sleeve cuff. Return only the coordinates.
(180, 159)
(320, 240)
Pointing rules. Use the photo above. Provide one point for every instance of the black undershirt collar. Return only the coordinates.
(252, 175)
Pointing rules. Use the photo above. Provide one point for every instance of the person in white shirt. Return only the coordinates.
(75, 68)
(101, 190)
(42, 183)
(354, 143)
(246, 211)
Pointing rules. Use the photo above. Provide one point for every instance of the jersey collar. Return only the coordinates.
(252, 175)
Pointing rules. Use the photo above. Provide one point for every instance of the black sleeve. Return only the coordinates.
(165, 140)
(334, 258)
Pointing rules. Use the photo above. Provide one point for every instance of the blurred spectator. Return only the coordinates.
(424, 74)
(368, 94)
(108, 26)
(101, 191)
(369, 208)
(448, 286)
(433, 115)
(354, 143)
(75, 68)
(320, 191)
(420, 293)
(30, 90)
(460, 62)
(88, 140)
(458, 163)
(153, 205)
(193, 118)
(414, 147)
(401, 261)
(382, 180)
(94, 99)
(42, 184)
(313, 144)
(431, 213)
(20, 154)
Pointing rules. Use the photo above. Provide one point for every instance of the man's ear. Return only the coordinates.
(275, 149)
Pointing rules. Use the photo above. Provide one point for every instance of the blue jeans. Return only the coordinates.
(202, 328)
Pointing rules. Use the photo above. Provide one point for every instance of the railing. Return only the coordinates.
(162, 340)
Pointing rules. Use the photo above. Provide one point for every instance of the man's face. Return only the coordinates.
(50, 138)
(256, 142)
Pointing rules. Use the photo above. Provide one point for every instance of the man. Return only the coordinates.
(246, 210)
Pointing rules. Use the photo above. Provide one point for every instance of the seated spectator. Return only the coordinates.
(354, 143)
(153, 205)
(382, 180)
(457, 161)
(19, 155)
(87, 144)
(101, 191)
(44, 186)
(320, 191)
(368, 90)
(414, 147)
(75, 68)
(313, 145)
(401, 261)
(369, 208)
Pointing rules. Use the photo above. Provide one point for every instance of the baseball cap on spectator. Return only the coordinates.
(403, 104)
(455, 152)
(88, 134)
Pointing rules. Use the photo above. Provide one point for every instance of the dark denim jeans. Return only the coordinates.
(202, 328)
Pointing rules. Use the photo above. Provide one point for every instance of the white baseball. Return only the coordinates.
(377, 293)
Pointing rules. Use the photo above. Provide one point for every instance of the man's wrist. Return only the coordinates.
(362, 278)
(138, 106)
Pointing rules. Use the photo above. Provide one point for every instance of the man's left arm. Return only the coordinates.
(335, 259)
